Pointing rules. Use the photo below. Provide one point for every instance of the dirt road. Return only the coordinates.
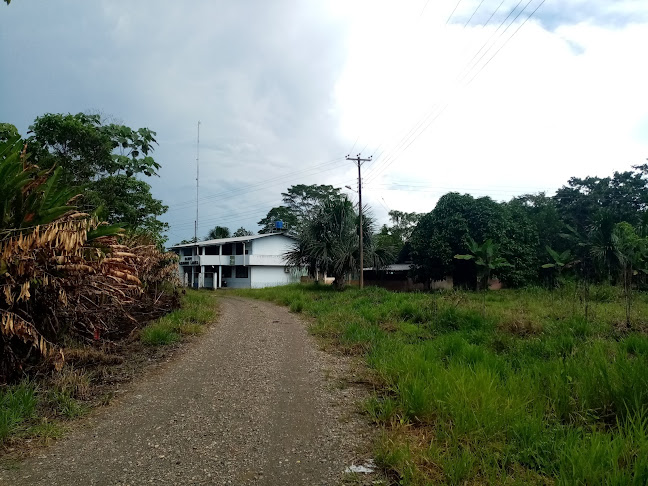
(253, 402)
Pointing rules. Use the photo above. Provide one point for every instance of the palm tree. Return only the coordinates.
(217, 233)
(328, 243)
(631, 250)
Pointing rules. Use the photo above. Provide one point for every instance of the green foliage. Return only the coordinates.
(279, 213)
(486, 257)
(28, 196)
(198, 309)
(107, 161)
(242, 232)
(328, 242)
(396, 238)
(300, 203)
(8, 132)
(17, 406)
(493, 399)
(218, 232)
(445, 232)
(623, 196)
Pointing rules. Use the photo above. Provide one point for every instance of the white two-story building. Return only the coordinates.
(243, 262)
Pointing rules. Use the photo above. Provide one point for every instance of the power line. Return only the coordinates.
(507, 40)
(421, 122)
(473, 14)
(386, 163)
(453, 12)
(264, 183)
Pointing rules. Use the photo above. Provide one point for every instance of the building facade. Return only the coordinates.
(243, 262)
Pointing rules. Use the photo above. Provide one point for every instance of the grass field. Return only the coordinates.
(37, 409)
(198, 308)
(524, 392)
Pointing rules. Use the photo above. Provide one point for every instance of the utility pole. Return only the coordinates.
(197, 180)
(358, 160)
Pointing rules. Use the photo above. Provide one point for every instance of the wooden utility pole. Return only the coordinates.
(358, 160)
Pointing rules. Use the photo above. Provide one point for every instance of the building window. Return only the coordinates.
(227, 249)
(227, 272)
(211, 250)
(241, 272)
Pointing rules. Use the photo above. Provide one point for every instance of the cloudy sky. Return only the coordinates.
(475, 96)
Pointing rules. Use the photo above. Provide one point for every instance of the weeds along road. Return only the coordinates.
(253, 401)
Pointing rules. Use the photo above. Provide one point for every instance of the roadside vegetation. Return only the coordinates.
(36, 408)
(529, 391)
(87, 292)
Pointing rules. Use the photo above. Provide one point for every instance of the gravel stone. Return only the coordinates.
(252, 401)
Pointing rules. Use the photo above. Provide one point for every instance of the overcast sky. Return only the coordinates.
(472, 96)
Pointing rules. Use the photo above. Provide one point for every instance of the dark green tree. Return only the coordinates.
(217, 233)
(8, 132)
(624, 197)
(242, 232)
(396, 236)
(279, 213)
(446, 230)
(299, 204)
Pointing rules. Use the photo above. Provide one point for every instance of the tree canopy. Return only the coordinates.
(108, 162)
(242, 232)
(446, 231)
(299, 203)
(217, 233)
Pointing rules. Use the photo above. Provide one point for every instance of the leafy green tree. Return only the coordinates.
(444, 232)
(395, 238)
(8, 132)
(107, 161)
(242, 232)
(190, 240)
(217, 233)
(624, 196)
(279, 213)
(300, 202)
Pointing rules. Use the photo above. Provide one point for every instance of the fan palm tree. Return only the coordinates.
(328, 243)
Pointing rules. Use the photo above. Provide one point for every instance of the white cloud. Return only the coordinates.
(550, 105)
(282, 87)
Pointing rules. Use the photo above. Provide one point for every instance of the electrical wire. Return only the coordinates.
(413, 136)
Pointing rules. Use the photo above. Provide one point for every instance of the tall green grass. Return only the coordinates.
(198, 308)
(529, 393)
(17, 406)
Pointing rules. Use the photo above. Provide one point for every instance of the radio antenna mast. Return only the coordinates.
(197, 180)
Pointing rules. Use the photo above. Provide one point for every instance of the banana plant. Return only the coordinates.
(486, 258)
(561, 261)
(487, 261)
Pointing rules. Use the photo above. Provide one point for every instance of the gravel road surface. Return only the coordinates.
(253, 401)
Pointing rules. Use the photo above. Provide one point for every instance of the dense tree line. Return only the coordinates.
(591, 227)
